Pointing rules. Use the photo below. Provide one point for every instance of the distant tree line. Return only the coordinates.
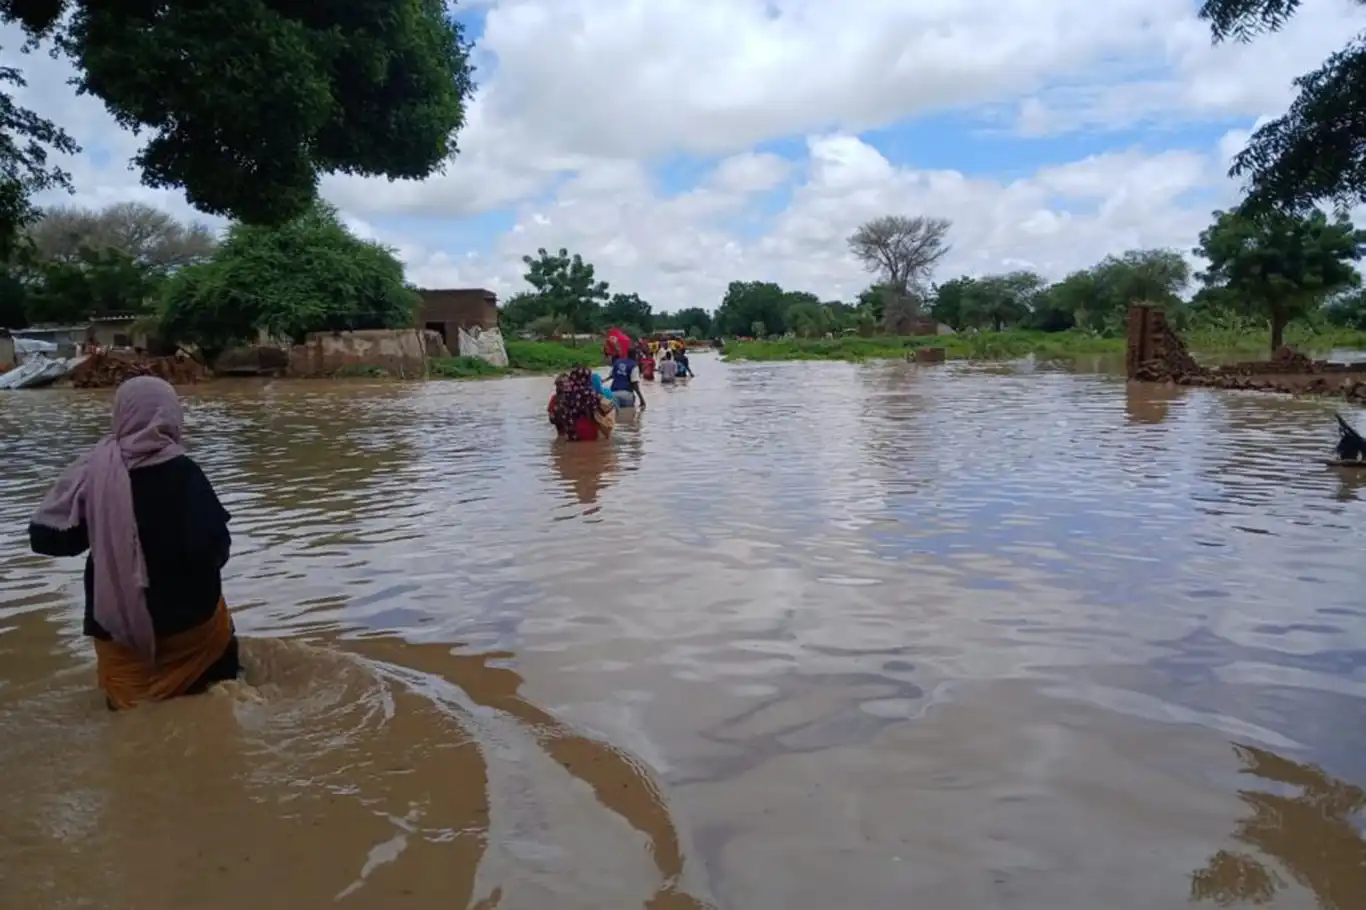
(1264, 269)
(186, 286)
(567, 298)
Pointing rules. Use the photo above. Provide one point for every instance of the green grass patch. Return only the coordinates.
(462, 368)
(1008, 345)
(550, 356)
(1255, 342)
(543, 357)
(1013, 344)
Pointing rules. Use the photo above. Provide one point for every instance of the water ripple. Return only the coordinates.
(785, 560)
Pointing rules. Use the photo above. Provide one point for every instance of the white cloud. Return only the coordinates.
(581, 99)
(679, 252)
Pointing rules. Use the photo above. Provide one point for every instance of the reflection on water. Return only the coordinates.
(1150, 403)
(799, 636)
(1314, 833)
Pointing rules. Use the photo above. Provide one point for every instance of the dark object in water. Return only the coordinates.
(1351, 446)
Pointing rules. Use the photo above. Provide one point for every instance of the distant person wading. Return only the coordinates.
(158, 539)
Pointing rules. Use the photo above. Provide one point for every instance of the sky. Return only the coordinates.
(681, 146)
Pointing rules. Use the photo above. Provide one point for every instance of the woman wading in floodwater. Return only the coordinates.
(158, 538)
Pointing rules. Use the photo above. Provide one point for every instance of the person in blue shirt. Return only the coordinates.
(684, 368)
(626, 383)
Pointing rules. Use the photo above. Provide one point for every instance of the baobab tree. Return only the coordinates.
(902, 250)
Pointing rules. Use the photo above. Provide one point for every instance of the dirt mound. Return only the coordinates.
(103, 371)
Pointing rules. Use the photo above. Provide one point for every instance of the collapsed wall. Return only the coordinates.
(106, 370)
(1155, 353)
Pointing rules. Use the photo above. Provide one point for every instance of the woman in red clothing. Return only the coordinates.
(575, 406)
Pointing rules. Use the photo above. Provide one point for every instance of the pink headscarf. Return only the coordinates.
(96, 490)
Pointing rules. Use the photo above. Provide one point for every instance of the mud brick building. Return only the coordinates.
(445, 311)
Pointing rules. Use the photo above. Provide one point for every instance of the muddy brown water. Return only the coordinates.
(802, 636)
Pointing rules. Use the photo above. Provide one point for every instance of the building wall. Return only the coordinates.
(253, 360)
(444, 311)
(117, 335)
(401, 353)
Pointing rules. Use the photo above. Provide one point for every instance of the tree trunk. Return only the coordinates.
(1278, 321)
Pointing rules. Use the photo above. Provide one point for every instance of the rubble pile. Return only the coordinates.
(103, 371)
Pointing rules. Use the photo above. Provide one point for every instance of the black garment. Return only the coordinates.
(183, 529)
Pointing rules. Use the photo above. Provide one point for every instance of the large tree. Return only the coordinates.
(568, 285)
(949, 303)
(696, 321)
(1280, 263)
(628, 310)
(93, 283)
(246, 104)
(901, 250)
(997, 301)
(756, 307)
(807, 316)
(1098, 297)
(143, 233)
(1316, 150)
(309, 275)
(522, 309)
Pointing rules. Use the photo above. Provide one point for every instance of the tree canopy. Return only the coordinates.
(902, 250)
(628, 311)
(568, 287)
(1280, 264)
(144, 234)
(696, 321)
(1097, 298)
(1316, 151)
(309, 275)
(246, 104)
(755, 307)
(992, 302)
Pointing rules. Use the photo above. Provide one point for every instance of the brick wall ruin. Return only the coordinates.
(1155, 353)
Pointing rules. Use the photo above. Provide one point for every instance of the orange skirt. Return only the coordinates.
(127, 678)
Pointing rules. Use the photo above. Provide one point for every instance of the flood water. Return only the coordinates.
(801, 636)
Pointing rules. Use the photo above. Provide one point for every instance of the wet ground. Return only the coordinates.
(801, 636)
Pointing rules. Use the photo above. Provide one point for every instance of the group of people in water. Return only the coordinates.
(156, 535)
(584, 405)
